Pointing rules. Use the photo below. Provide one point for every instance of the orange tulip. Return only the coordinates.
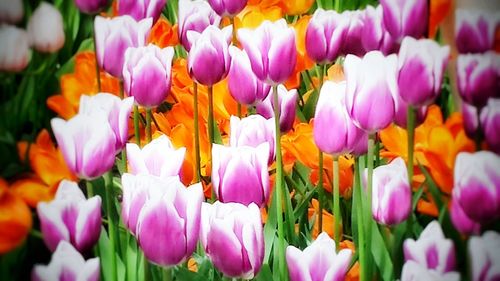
(296, 7)
(163, 34)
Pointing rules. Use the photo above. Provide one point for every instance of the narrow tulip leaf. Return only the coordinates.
(270, 229)
(131, 259)
(105, 255)
(289, 216)
(302, 207)
(381, 255)
(265, 274)
(433, 188)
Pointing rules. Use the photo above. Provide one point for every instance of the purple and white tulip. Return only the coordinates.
(233, 238)
(461, 221)
(404, 18)
(413, 271)
(401, 113)
(45, 29)
(141, 9)
(14, 48)
(485, 257)
(490, 124)
(352, 41)
(91, 6)
(475, 30)
(470, 117)
(11, 11)
(374, 35)
(319, 261)
(195, 16)
(253, 131)
(70, 217)
(227, 7)
(287, 104)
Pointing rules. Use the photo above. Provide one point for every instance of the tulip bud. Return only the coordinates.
(91, 6)
(484, 256)
(469, 115)
(490, 124)
(117, 111)
(253, 131)
(158, 158)
(11, 11)
(371, 89)
(208, 59)
(475, 30)
(477, 183)
(413, 271)
(325, 35)
(334, 131)
(14, 48)
(196, 16)
(478, 76)
(421, 64)
(239, 174)
(45, 29)
(233, 238)
(141, 9)
(242, 83)
(227, 7)
(67, 264)
(70, 217)
(319, 261)
(143, 65)
(112, 38)
(374, 35)
(461, 221)
(87, 144)
(287, 101)
(268, 47)
(352, 42)
(432, 250)
(404, 18)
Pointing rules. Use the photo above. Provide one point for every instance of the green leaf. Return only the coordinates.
(265, 273)
(381, 254)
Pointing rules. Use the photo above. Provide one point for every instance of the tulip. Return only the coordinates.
(112, 38)
(208, 59)
(477, 183)
(168, 225)
(374, 35)
(158, 158)
(461, 221)
(11, 11)
(141, 9)
(268, 47)
(371, 89)
(361, 147)
(484, 256)
(475, 30)
(87, 144)
(490, 124)
(227, 7)
(421, 64)
(239, 174)
(391, 201)
(404, 18)
(143, 65)
(432, 250)
(45, 29)
(401, 113)
(233, 238)
(70, 217)
(469, 115)
(196, 16)
(325, 35)
(67, 264)
(334, 131)
(117, 111)
(477, 77)
(242, 83)
(352, 42)
(14, 48)
(319, 261)
(253, 131)
(413, 271)
(287, 101)
(91, 6)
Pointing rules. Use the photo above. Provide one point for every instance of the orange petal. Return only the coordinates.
(33, 190)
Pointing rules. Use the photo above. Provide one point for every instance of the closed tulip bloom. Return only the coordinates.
(227, 7)
(334, 131)
(477, 183)
(14, 48)
(253, 131)
(371, 89)
(318, 261)
(490, 124)
(239, 174)
(421, 65)
(361, 147)
(325, 35)
(117, 111)
(168, 226)
(404, 18)
(158, 158)
(67, 264)
(287, 105)
(374, 35)
(91, 6)
(208, 59)
(11, 11)
(70, 217)
(268, 47)
(141, 9)
(112, 38)
(401, 113)
(475, 30)
(143, 65)
(413, 271)
(45, 29)
(242, 83)
(233, 238)
(469, 115)
(461, 221)
(196, 16)
(87, 144)
(352, 42)
(484, 256)
(432, 250)
(478, 76)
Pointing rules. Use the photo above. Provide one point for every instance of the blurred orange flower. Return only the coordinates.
(163, 34)
(256, 12)
(296, 7)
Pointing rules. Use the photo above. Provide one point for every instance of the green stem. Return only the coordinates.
(321, 191)
(149, 114)
(337, 5)
(136, 126)
(211, 125)
(147, 268)
(108, 181)
(196, 132)
(336, 201)
(411, 141)
(368, 205)
(90, 189)
(97, 73)
(359, 215)
(279, 188)
(239, 110)
(167, 274)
